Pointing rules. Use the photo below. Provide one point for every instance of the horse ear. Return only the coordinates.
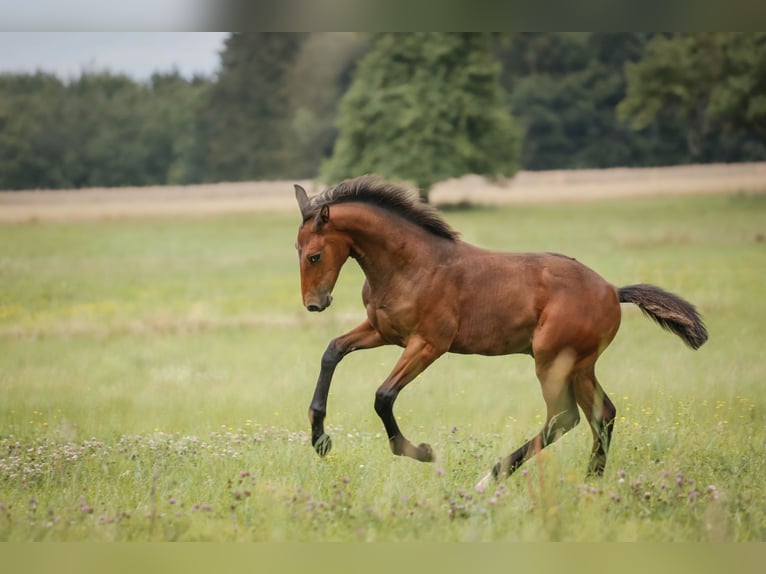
(323, 216)
(303, 199)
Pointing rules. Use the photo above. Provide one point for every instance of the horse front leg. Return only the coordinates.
(416, 357)
(362, 337)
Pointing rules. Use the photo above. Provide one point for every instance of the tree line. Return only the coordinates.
(421, 107)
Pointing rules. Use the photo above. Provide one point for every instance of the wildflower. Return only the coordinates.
(621, 473)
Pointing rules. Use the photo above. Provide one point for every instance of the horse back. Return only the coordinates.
(507, 298)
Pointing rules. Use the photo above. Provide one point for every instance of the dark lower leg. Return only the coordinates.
(554, 429)
(602, 435)
(400, 446)
(601, 413)
(418, 354)
(363, 337)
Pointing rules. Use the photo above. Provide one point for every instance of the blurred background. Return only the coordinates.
(137, 109)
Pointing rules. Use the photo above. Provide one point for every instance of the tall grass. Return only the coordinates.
(156, 374)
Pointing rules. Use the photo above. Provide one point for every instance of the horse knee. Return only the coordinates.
(332, 356)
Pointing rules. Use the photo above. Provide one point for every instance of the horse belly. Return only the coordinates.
(495, 332)
(499, 307)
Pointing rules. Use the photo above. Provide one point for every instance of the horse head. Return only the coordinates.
(322, 251)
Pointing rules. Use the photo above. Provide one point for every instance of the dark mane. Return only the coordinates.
(400, 200)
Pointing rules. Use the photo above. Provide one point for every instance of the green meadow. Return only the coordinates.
(156, 375)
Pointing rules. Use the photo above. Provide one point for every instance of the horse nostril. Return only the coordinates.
(313, 308)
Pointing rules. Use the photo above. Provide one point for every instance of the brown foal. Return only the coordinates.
(431, 293)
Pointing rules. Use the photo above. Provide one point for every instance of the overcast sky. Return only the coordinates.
(138, 54)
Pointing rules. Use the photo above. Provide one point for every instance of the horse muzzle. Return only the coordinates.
(319, 304)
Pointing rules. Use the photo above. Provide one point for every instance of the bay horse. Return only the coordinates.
(431, 293)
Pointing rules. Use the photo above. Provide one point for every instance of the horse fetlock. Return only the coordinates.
(322, 444)
(316, 417)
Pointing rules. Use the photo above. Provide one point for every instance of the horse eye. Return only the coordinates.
(314, 258)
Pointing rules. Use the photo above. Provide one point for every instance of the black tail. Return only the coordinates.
(669, 311)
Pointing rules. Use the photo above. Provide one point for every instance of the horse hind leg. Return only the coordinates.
(600, 413)
(561, 415)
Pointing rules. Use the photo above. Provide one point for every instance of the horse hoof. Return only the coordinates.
(425, 453)
(323, 445)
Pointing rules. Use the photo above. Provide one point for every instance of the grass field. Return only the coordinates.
(156, 375)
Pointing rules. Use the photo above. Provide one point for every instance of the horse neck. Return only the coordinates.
(386, 245)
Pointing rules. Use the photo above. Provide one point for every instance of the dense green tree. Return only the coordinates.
(174, 130)
(712, 84)
(105, 115)
(424, 107)
(31, 134)
(97, 130)
(420, 107)
(247, 122)
(563, 89)
(321, 75)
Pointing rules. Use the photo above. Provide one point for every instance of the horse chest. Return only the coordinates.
(392, 323)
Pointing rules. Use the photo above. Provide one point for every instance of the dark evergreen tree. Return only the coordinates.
(713, 85)
(246, 121)
(424, 107)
